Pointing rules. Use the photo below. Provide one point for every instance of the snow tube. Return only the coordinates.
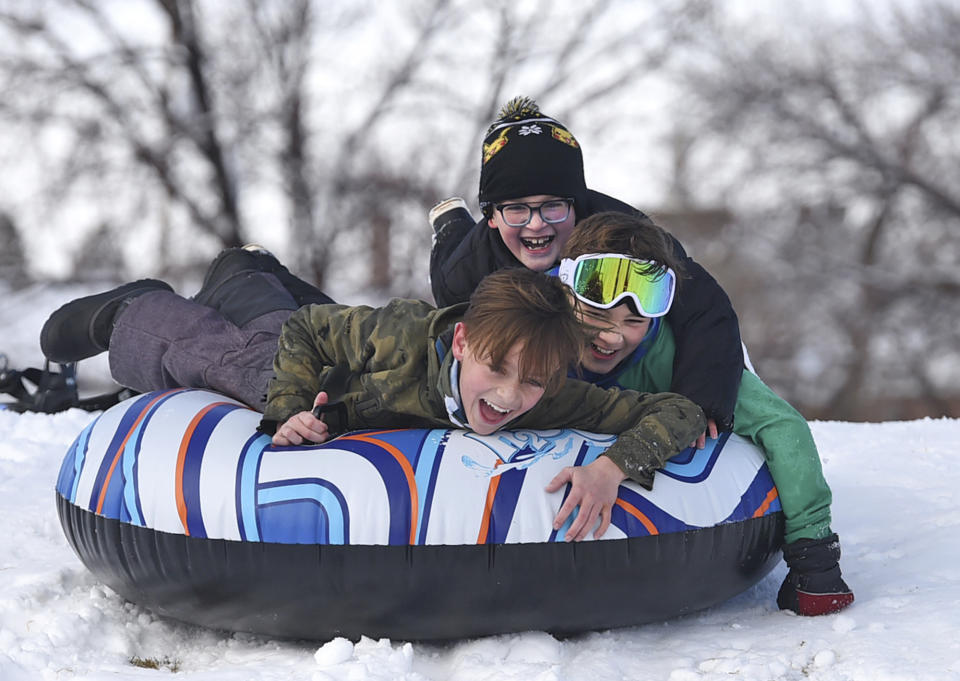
(176, 502)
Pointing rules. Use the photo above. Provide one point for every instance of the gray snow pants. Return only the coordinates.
(162, 340)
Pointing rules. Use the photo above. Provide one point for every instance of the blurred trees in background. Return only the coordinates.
(813, 165)
(836, 151)
(326, 129)
(13, 261)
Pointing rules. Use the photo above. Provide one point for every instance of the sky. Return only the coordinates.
(895, 509)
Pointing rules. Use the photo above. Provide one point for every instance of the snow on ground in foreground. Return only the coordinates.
(895, 506)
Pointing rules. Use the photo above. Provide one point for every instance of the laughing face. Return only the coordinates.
(492, 396)
(537, 244)
(618, 332)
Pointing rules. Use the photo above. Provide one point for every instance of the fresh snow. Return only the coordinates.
(895, 507)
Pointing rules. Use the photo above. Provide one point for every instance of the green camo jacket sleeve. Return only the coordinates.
(303, 359)
(373, 361)
(652, 427)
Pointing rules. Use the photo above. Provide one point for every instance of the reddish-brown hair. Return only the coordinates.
(518, 305)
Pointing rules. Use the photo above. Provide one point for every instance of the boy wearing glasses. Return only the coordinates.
(625, 276)
(533, 194)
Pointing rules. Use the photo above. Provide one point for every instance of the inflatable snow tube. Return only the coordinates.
(176, 502)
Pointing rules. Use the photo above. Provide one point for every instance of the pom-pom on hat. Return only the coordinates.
(527, 153)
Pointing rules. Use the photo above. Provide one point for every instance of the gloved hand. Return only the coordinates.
(813, 585)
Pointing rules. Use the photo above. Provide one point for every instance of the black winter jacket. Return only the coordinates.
(709, 356)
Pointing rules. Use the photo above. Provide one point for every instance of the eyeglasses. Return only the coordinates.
(520, 214)
(603, 280)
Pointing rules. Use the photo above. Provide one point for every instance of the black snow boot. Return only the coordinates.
(303, 293)
(814, 585)
(82, 328)
(223, 281)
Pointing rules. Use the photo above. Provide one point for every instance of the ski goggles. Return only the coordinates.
(604, 280)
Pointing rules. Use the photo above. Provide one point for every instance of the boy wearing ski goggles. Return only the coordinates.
(622, 301)
(616, 267)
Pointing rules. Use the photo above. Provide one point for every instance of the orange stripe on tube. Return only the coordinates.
(181, 460)
(407, 472)
(638, 514)
(488, 506)
(123, 445)
(771, 495)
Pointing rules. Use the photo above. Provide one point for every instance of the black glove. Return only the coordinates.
(813, 585)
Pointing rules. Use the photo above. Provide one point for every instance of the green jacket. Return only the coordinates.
(391, 368)
(766, 419)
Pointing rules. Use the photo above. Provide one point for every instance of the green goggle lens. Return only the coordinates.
(605, 280)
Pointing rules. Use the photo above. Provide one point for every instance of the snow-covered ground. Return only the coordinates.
(896, 509)
(895, 506)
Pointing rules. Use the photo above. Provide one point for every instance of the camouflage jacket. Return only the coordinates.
(390, 367)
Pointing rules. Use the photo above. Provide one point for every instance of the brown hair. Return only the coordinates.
(518, 305)
(630, 235)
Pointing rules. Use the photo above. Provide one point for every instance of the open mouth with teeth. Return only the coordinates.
(493, 413)
(537, 243)
(602, 353)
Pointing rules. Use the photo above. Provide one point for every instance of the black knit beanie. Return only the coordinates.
(527, 153)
